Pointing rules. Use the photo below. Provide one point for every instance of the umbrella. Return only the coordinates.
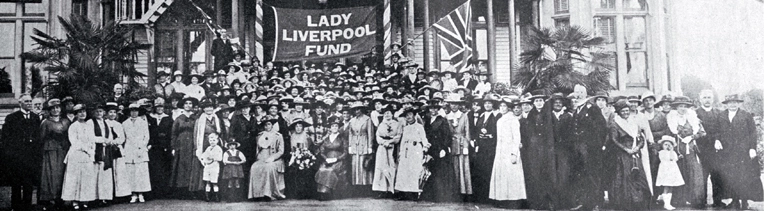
(425, 173)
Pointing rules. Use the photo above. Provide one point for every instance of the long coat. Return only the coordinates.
(388, 135)
(136, 141)
(411, 155)
(22, 157)
(461, 147)
(710, 159)
(738, 137)
(589, 133)
(160, 156)
(441, 186)
(563, 152)
(538, 155)
(482, 162)
(508, 178)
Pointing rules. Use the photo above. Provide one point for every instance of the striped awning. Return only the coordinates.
(155, 11)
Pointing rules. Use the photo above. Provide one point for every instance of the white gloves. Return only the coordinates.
(718, 145)
(442, 153)
(751, 153)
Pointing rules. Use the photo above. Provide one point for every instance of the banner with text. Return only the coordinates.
(323, 34)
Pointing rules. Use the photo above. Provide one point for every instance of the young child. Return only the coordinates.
(210, 159)
(233, 160)
(669, 175)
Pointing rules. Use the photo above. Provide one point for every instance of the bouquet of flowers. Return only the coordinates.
(302, 158)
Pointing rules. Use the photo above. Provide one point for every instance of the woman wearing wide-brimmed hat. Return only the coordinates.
(299, 174)
(411, 157)
(507, 182)
(79, 184)
(686, 127)
(194, 89)
(441, 186)
(461, 143)
(332, 155)
(388, 135)
(243, 130)
(53, 132)
(482, 165)
(361, 137)
(629, 189)
(267, 173)
(182, 147)
(135, 153)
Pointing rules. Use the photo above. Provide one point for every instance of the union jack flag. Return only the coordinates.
(454, 31)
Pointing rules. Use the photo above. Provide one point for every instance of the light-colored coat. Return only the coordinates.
(136, 140)
(411, 158)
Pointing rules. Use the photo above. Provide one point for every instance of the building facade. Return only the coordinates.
(645, 37)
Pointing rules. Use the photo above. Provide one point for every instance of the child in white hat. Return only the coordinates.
(669, 175)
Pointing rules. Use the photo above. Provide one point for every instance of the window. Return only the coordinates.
(80, 7)
(34, 9)
(165, 44)
(640, 5)
(605, 27)
(636, 68)
(561, 6)
(628, 43)
(634, 32)
(561, 22)
(6, 50)
(8, 8)
(606, 4)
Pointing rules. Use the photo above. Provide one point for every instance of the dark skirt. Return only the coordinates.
(440, 187)
(694, 189)
(160, 161)
(52, 174)
(629, 189)
(232, 172)
(299, 184)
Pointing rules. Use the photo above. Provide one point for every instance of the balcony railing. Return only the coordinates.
(140, 11)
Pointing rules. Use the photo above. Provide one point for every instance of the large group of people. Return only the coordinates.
(325, 131)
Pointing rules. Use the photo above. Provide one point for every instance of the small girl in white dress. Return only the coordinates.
(669, 175)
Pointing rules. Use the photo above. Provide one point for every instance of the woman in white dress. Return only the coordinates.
(136, 153)
(507, 182)
(79, 184)
(388, 135)
(411, 157)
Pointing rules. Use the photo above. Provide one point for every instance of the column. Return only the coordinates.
(180, 52)
(218, 12)
(410, 29)
(512, 38)
(259, 38)
(387, 37)
(426, 35)
(236, 19)
(491, 41)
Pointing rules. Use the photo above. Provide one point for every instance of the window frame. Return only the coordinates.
(619, 46)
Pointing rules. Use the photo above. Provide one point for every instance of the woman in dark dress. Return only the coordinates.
(182, 143)
(332, 154)
(629, 190)
(440, 187)
(53, 133)
(300, 172)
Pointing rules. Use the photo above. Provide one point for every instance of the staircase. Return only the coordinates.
(140, 11)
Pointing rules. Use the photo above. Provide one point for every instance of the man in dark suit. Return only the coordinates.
(589, 131)
(738, 147)
(410, 79)
(709, 156)
(22, 153)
